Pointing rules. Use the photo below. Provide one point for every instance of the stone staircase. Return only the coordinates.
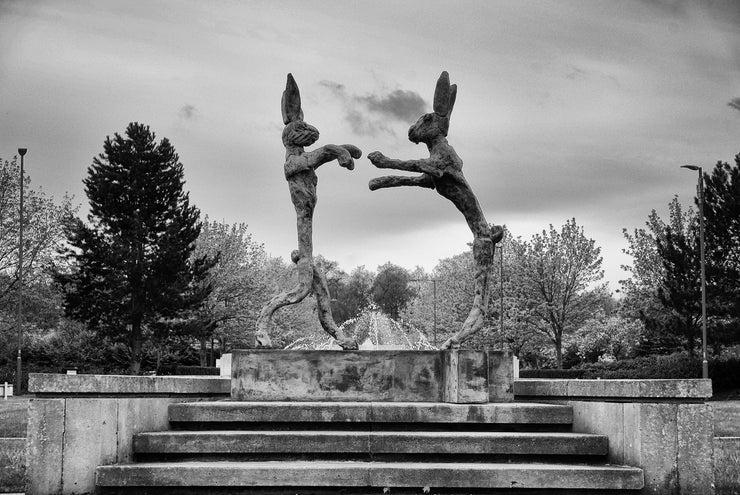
(368, 447)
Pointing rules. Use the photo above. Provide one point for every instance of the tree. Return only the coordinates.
(722, 231)
(238, 282)
(551, 275)
(131, 267)
(351, 294)
(43, 235)
(390, 289)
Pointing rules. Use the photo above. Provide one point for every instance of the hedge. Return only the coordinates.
(724, 371)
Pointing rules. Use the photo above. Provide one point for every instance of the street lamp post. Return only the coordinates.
(700, 187)
(18, 367)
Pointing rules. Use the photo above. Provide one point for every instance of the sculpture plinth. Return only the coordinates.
(454, 376)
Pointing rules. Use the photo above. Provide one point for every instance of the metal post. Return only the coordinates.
(18, 367)
(704, 361)
(434, 305)
(700, 187)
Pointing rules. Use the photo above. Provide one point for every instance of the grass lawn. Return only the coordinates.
(13, 417)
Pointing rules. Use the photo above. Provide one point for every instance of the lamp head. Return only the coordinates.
(691, 167)
(22, 151)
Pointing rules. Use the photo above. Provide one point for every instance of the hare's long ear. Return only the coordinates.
(442, 95)
(451, 104)
(291, 102)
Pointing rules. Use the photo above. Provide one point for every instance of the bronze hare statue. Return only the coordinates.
(443, 171)
(300, 172)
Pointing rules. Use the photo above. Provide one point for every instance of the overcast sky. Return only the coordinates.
(564, 109)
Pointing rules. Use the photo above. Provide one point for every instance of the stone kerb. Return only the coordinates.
(79, 422)
(455, 376)
(665, 427)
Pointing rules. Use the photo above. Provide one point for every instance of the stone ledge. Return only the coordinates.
(614, 390)
(375, 474)
(50, 384)
(370, 412)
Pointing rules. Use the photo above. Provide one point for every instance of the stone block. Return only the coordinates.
(45, 446)
(695, 448)
(90, 439)
(136, 416)
(603, 418)
(103, 385)
(501, 368)
(683, 389)
(651, 442)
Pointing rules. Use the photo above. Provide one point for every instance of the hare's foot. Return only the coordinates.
(451, 343)
(347, 343)
(262, 340)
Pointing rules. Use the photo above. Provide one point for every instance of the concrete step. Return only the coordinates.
(370, 412)
(370, 442)
(365, 474)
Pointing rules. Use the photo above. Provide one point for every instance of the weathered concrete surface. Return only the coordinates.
(364, 412)
(69, 437)
(90, 439)
(371, 442)
(500, 376)
(727, 465)
(45, 443)
(602, 418)
(12, 464)
(386, 375)
(377, 474)
(51, 383)
(697, 389)
(726, 418)
(672, 442)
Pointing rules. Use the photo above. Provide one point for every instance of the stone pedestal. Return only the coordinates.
(455, 376)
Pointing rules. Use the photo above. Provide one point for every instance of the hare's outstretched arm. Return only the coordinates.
(422, 180)
(424, 166)
(344, 154)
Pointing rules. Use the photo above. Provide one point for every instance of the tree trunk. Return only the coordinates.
(135, 367)
(559, 351)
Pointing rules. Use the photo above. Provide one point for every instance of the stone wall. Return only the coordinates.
(78, 422)
(665, 427)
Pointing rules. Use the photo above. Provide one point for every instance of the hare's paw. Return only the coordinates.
(262, 340)
(345, 162)
(378, 159)
(348, 344)
(353, 150)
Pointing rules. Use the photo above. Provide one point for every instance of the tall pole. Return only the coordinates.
(434, 305)
(18, 367)
(700, 188)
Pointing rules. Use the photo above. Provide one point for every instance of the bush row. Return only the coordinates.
(724, 371)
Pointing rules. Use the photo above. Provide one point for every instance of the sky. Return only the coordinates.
(565, 109)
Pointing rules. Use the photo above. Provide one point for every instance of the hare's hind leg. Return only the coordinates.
(483, 249)
(323, 305)
(293, 296)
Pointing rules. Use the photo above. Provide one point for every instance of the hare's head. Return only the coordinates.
(435, 124)
(296, 132)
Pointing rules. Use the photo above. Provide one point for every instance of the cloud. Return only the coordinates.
(734, 103)
(370, 114)
(188, 112)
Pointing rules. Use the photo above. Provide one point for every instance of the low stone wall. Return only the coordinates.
(665, 427)
(455, 376)
(78, 422)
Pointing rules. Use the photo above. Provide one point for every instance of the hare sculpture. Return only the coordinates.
(443, 171)
(300, 172)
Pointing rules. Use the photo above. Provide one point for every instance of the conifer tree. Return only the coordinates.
(131, 270)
